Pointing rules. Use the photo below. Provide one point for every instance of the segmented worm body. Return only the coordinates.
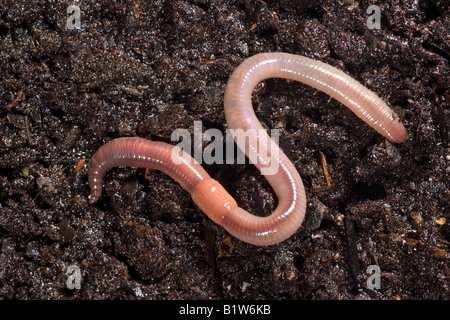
(209, 194)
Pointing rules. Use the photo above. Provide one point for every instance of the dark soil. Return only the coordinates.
(146, 68)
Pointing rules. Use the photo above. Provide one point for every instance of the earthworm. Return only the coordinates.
(209, 194)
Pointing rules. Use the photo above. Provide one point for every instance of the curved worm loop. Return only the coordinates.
(207, 193)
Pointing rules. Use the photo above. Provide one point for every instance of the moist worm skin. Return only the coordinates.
(206, 192)
(142, 153)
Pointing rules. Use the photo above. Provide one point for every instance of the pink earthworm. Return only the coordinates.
(209, 194)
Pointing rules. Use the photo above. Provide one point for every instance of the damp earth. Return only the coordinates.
(146, 68)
